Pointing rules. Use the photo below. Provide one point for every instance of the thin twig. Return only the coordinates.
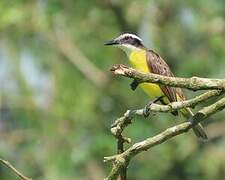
(120, 149)
(117, 130)
(10, 166)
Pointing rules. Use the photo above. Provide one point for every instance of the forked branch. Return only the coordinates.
(123, 159)
(216, 87)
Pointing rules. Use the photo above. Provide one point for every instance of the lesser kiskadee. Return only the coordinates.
(146, 60)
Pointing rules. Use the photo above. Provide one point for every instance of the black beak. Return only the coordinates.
(112, 42)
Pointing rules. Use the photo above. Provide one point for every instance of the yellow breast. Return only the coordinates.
(138, 61)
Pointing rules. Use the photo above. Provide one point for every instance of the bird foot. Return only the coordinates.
(146, 110)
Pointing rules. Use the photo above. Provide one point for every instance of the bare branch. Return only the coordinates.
(187, 103)
(10, 166)
(123, 159)
(194, 83)
(120, 123)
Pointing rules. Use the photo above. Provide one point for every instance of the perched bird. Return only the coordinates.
(146, 60)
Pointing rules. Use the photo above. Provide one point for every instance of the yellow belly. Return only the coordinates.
(138, 61)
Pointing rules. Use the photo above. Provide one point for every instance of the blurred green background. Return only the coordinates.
(58, 97)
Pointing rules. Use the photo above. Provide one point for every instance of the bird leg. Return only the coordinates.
(134, 84)
(146, 110)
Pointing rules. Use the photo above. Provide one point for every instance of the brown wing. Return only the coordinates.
(158, 66)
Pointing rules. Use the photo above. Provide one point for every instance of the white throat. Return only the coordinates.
(128, 49)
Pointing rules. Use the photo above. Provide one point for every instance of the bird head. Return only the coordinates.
(126, 41)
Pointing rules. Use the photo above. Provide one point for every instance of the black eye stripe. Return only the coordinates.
(131, 40)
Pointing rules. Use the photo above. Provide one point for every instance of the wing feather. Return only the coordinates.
(158, 66)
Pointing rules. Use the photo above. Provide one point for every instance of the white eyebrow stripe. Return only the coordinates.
(129, 35)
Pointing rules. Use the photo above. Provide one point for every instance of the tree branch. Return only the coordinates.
(10, 166)
(193, 83)
(187, 103)
(123, 159)
(120, 123)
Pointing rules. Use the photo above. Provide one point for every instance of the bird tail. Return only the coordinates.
(198, 129)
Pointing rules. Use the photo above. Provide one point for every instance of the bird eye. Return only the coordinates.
(126, 38)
